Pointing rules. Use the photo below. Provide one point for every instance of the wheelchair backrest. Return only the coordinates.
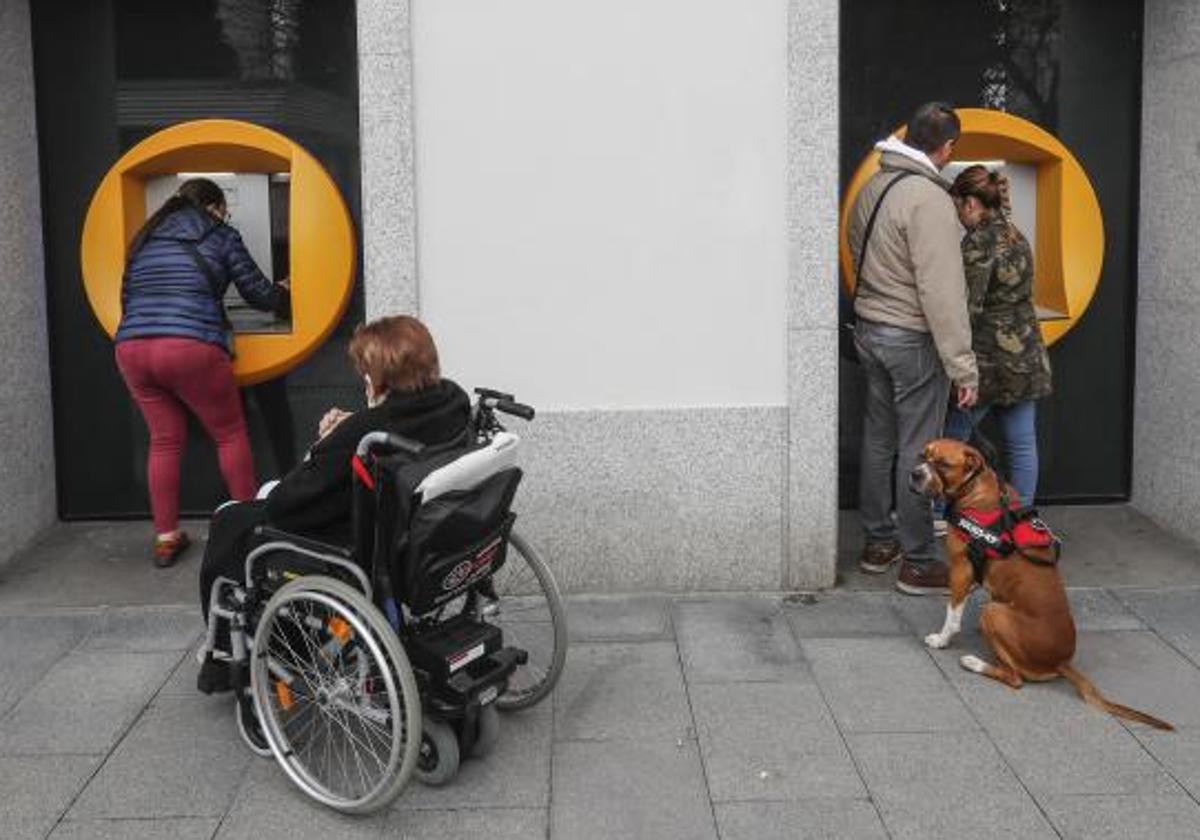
(457, 509)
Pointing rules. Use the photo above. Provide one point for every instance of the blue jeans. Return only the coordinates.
(1018, 424)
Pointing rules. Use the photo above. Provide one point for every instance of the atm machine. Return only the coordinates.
(258, 205)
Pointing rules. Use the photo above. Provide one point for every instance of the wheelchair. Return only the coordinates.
(358, 667)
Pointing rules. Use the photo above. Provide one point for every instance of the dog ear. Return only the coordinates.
(972, 460)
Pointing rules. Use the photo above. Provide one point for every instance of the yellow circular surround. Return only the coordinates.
(1070, 229)
(321, 234)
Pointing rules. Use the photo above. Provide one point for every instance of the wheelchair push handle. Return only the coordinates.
(490, 394)
(387, 440)
(525, 412)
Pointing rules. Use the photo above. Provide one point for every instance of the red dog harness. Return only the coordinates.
(1003, 531)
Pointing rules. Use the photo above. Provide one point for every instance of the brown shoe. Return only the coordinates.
(167, 551)
(877, 558)
(931, 578)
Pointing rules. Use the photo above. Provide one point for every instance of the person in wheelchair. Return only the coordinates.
(406, 395)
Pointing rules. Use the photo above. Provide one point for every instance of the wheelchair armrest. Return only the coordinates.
(274, 534)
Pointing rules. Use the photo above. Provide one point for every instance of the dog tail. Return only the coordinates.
(1092, 696)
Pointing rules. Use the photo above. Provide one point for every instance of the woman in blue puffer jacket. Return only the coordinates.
(172, 347)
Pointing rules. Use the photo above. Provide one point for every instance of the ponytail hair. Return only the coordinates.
(990, 187)
(194, 192)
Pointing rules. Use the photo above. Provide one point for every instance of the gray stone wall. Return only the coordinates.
(1166, 449)
(678, 500)
(27, 499)
(810, 550)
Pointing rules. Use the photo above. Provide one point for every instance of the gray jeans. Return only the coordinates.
(907, 391)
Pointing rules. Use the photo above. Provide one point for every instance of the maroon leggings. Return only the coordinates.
(167, 376)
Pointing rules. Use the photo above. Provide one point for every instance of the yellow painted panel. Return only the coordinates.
(1070, 228)
(321, 235)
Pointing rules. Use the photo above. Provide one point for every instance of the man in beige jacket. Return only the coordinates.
(913, 338)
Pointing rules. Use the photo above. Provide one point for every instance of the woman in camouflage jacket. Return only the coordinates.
(1014, 370)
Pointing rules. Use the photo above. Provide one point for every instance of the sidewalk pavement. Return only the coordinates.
(768, 715)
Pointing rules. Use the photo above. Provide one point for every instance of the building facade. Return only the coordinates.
(625, 215)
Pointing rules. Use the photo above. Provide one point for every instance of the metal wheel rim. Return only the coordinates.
(291, 760)
(532, 681)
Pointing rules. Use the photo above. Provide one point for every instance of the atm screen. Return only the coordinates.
(258, 207)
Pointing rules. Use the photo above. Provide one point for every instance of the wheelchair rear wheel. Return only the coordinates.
(336, 694)
(530, 613)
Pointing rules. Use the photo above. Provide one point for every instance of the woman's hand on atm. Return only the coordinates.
(330, 421)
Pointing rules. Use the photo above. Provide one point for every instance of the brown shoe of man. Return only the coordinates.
(931, 578)
(877, 558)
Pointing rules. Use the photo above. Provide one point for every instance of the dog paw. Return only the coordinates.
(937, 640)
(972, 663)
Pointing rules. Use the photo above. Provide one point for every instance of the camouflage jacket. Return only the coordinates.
(1013, 365)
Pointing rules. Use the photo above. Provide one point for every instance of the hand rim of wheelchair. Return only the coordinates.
(512, 698)
(372, 631)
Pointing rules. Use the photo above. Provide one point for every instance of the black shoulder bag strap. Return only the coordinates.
(215, 285)
(862, 255)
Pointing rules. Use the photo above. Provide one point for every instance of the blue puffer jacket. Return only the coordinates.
(166, 294)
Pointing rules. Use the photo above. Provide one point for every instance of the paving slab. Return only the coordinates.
(1104, 546)
(1053, 741)
(1098, 609)
(631, 691)
(621, 618)
(37, 790)
(629, 789)
(468, 824)
(1178, 752)
(139, 629)
(844, 612)
(737, 639)
(185, 828)
(1139, 669)
(945, 784)
(269, 805)
(1172, 613)
(84, 703)
(515, 775)
(885, 685)
(771, 741)
(182, 682)
(814, 819)
(926, 613)
(87, 564)
(1125, 817)
(183, 758)
(32, 644)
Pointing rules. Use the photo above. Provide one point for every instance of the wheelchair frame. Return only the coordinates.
(434, 715)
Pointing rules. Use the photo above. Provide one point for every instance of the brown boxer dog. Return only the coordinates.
(1027, 622)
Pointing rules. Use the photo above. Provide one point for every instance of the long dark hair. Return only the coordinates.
(194, 192)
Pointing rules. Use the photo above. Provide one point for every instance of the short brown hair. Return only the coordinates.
(397, 352)
(931, 125)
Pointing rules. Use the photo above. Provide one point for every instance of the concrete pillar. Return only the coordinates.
(27, 492)
(1166, 439)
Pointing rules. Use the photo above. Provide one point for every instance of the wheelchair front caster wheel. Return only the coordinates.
(438, 760)
(489, 732)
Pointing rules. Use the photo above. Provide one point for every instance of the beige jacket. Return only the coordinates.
(913, 274)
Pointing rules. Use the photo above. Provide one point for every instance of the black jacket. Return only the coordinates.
(315, 497)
